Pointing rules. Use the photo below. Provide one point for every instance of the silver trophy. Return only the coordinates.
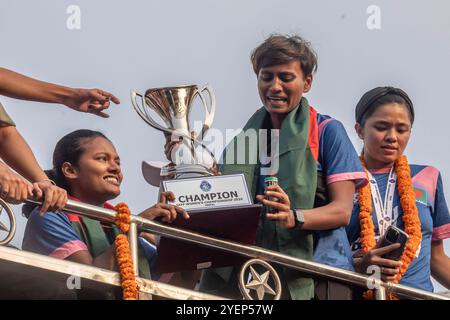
(173, 105)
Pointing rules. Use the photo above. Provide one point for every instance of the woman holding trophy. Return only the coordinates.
(86, 164)
(304, 146)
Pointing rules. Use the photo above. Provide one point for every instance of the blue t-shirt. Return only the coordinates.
(338, 161)
(53, 235)
(434, 218)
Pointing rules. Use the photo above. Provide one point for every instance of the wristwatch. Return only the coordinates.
(299, 218)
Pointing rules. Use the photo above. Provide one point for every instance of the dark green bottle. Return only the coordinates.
(271, 181)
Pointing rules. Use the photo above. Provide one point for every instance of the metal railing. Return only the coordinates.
(17, 263)
(306, 266)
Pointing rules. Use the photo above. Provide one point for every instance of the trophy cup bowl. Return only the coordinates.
(173, 105)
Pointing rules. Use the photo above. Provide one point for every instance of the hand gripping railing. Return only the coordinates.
(310, 267)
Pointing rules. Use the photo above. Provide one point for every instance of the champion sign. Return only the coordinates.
(207, 192)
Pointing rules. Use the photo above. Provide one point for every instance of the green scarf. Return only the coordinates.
(297, 175)
(98, 241)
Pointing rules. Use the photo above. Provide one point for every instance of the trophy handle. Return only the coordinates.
(143, 114)
(209, 112)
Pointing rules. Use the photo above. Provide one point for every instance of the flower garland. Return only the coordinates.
(410, 217)
(123, 253)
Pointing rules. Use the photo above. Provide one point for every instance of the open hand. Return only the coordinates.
(91, 100)
(167, 212)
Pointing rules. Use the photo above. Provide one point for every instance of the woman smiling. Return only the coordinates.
(87, 165)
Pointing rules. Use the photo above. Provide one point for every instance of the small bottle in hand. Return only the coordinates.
(271, 181)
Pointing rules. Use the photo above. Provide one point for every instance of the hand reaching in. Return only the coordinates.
(90, 100)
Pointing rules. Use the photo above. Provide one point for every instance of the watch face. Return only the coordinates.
(299, 216)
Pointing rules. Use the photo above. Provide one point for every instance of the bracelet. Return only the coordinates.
(49, 180)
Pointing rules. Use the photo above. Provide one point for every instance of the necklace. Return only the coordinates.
(123, 253)
(411, 219)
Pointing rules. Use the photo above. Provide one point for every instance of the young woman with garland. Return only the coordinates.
(408, 196)
(87, 165)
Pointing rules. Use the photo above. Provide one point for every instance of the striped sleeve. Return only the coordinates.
(51, 234)
(337, 156)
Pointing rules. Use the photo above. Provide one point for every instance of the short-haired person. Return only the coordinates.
(14, 150)
(86, 164)
(309, 143)
(408, 196)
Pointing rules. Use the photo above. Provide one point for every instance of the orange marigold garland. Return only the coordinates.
(123, 253)
(411, 219)
(365, 216)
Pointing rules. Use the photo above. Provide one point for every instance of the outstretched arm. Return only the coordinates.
(22, 159)
(18, 86)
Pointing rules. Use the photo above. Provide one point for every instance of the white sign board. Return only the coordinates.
(209, 192)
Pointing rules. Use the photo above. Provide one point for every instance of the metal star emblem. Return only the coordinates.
(259, 283)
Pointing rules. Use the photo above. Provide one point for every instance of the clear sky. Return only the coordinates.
(124, 45)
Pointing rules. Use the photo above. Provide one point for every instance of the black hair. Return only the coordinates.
(380, 96)
(281, 49)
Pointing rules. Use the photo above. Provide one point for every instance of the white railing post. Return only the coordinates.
(380, 293)
(133, 239)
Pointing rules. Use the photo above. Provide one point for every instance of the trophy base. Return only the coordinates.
(237, 224)
(154, 172)
(184, 171)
